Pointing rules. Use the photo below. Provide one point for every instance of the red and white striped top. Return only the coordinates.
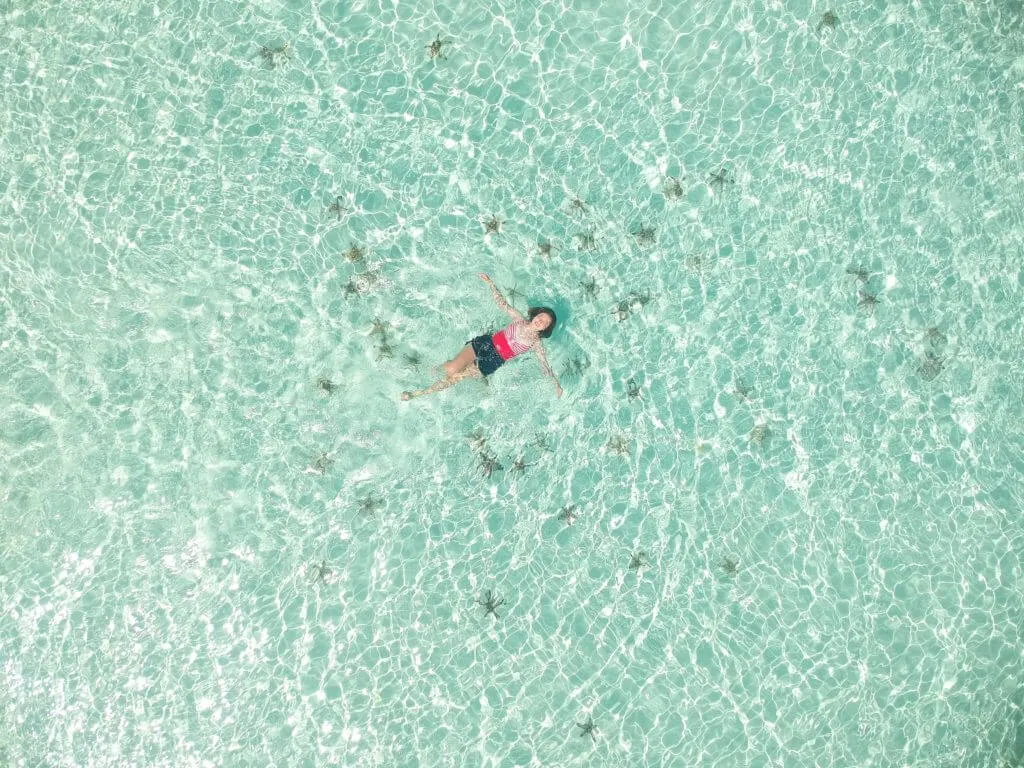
(513, 340)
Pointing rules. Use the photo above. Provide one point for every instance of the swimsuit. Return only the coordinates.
(512, 340)
(493, 351)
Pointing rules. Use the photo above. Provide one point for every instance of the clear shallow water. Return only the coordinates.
(174, 286)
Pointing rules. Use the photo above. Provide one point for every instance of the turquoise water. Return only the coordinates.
(210, 560)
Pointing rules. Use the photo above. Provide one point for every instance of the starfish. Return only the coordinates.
(568, 514)
(514, 293)
(412, 358)
(369, 279)
(632, 389)
(638, 560)
(325, 385)
(350, 289)
(622, 310)
(576, 366)
(477, 439)
(867, 301)
(828, 21)
(518, 465)
(323, 463)
(369, 504)
(320, 572)
(590, 288)
(385, 350)
(719, 180)
(545, 248)
(935, 337)
(491, 604)
(931, 367)
(742, 392)
(355, 253)
(730, 566)
(492, 226)
(434, 49)
(587, 241)
(639, 298)
(697, 262)
(644, 235)
(380, 328)
(577, 206)
(541, 442)
(588, 728)
(759, 434)
(337, 208)
(672, 189)
(489, 463)
(618, 445)
(274, 56)
(860, 273)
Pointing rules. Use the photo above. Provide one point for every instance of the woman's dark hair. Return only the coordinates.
(534, 311)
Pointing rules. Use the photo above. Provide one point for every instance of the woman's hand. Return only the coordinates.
(483, 276)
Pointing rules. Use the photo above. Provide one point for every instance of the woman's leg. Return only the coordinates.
(467, 373)
(460, 361)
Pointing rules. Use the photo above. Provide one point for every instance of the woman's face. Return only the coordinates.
(540, 322)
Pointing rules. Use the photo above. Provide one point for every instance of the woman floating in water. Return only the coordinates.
(485, 354)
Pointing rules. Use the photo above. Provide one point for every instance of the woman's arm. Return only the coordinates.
(546, 368)
(500, 300)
